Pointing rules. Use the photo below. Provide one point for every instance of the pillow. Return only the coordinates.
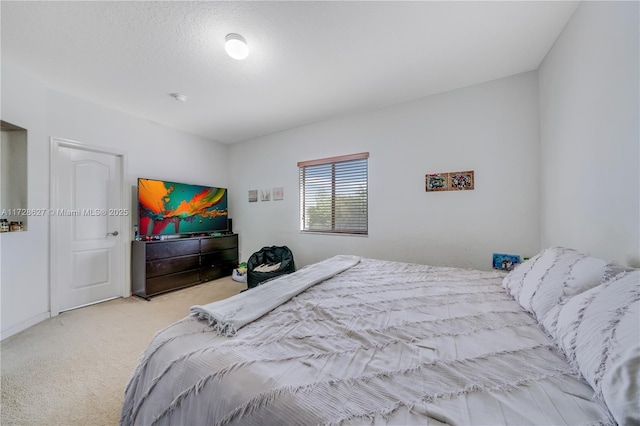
(546, 281)
(611, 270)
(515, 278)
(621, 387)
(599, 331)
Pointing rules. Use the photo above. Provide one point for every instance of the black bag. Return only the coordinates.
(269, 256)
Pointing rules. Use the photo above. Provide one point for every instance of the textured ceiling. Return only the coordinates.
(309, 61)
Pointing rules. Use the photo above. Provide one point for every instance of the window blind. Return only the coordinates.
(334, 194)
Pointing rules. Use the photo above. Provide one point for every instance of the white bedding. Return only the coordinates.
(382, 343)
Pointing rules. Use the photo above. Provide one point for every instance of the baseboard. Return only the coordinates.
(24, 325)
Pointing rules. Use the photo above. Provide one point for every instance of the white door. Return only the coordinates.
(87, 215)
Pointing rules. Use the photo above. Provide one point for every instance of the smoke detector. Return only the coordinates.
(178, 97)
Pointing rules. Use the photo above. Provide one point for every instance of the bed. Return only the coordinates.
(382, 342)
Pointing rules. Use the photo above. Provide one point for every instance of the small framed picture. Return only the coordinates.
(436, 182)
(253, 195)
(278, 193)
(265, 194)
(461, 180)
(505, 261)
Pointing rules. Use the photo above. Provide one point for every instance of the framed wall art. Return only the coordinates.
(461, 180)
(436, 182)
(451, 181)
(278, 193)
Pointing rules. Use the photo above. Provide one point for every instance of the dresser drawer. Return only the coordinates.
(208, 274)
(218, 243)
(165, 249)
(220, 257)
(171, 282)
(172, 265)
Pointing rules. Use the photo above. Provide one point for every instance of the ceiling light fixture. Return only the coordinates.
(178, 97)
(236, 46)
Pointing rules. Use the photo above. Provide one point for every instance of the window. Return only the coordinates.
(333, 194)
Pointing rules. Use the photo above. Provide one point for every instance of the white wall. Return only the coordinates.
(590, 170)
(25, 263)
(151, 150)
(491, 128)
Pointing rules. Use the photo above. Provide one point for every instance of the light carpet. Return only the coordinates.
(72, 369)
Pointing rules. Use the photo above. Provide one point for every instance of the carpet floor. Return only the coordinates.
(72, 369)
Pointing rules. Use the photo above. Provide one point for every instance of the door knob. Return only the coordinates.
(114, 233)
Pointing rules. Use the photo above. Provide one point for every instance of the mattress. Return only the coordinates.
(380, 343)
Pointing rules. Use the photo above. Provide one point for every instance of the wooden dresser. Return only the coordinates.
(161, 266)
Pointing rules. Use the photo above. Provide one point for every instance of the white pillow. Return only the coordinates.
(621, 388)
(514, 280)
(611, 270)
(596, 330)
(546, 281)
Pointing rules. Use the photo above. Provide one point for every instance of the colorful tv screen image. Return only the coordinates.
(167, 208)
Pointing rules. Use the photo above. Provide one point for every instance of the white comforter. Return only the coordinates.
(383, 343)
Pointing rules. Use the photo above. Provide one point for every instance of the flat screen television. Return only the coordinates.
(170, 208)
